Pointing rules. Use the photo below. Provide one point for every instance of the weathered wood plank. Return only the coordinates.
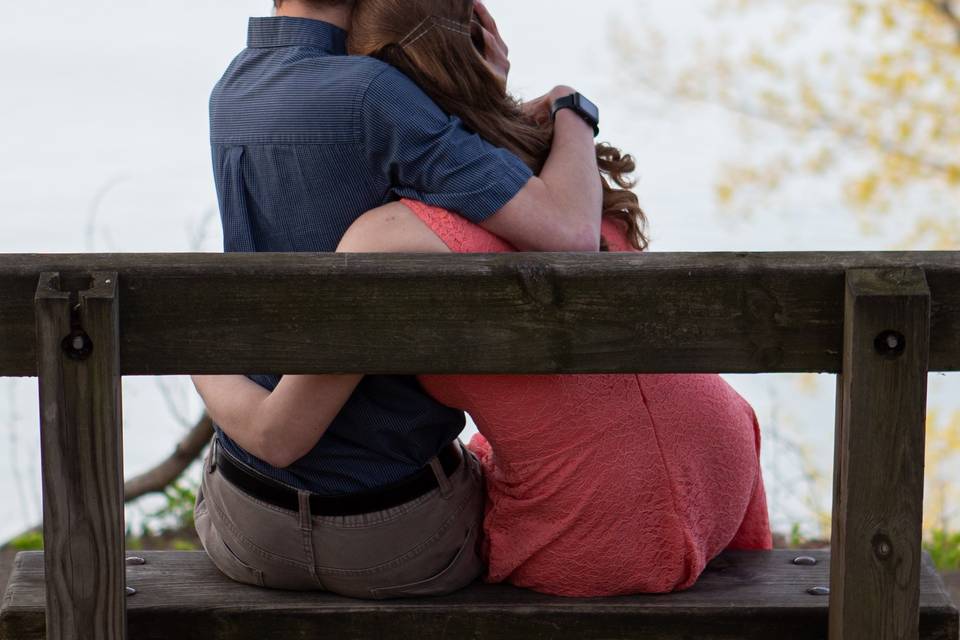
(879, 453)
(520, 313)
(743, 595)
(82, 452)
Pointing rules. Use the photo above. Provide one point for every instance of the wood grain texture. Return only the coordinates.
(82, 452)
(743, 595)
(520, 313)
(878, 479)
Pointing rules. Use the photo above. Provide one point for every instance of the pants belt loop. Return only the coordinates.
(446, 487)
(212, 456)
(306, 518)
(306, 531)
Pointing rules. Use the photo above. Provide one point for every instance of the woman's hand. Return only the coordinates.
(495, 50)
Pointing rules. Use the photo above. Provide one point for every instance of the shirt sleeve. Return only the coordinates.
(430, 156)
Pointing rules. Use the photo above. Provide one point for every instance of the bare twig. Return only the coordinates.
(94, 209)
(14, 419)
(947, 10)
(199, 232)
(186, 451)
(166, 393)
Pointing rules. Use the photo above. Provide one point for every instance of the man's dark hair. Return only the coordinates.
(320, 3)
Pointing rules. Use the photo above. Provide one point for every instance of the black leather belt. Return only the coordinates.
(379, 499)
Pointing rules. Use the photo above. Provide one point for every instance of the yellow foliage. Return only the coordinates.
(808, 383)
(864, 190)
(953, 175)
(873, 111)
(724, 193)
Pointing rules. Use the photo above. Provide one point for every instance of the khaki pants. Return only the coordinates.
(429, 546)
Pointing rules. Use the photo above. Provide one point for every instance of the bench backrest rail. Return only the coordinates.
(881, 320)
(519, 313)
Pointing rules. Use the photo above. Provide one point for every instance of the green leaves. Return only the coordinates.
(29, 541)
(944, 548)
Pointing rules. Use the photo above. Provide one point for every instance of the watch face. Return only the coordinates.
(588, 108)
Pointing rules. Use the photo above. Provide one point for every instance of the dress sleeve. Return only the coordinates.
(429, 156)
(460, 235)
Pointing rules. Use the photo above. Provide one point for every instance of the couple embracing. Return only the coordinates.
(385, 126)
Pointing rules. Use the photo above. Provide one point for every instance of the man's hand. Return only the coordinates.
(495, 50)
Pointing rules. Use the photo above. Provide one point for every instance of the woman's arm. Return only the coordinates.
(283, 426)
(279, 427)
(392, 228)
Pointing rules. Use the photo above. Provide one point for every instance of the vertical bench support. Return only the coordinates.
(879, 453)
(82, 452)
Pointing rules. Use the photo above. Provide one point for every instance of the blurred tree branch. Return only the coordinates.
(164, 474)
(175, 394)
(946, 8)
(159, 477)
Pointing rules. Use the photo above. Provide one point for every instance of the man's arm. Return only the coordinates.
(555, 210)
(430, 156)
(559, 210)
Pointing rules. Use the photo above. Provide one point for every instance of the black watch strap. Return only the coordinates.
(581, 106)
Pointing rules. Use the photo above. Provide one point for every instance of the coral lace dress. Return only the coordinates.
(606, 484)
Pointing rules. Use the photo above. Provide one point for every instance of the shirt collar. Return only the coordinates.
(296, 32)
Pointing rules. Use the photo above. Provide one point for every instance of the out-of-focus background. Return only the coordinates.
(757, 125)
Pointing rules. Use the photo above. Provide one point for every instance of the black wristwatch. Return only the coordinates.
(582, 107)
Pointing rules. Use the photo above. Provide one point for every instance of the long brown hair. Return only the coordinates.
(428, 40)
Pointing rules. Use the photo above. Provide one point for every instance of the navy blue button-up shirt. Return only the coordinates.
(305, 139)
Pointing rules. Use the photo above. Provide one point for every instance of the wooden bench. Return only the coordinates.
(742, 594)
(882, 321)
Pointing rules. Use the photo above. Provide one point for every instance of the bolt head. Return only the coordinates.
(882, 546)
(890, 344)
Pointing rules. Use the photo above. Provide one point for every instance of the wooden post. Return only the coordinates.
(879, 453)
(82, 452)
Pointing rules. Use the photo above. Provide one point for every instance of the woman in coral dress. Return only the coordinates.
(603, 484)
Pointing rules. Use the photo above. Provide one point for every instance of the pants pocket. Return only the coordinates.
(232, 566)
(222, 556)
(463, 569)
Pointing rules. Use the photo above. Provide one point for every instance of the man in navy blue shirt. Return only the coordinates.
(305, 139)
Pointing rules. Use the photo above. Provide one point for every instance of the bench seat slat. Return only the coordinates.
(741, 595)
